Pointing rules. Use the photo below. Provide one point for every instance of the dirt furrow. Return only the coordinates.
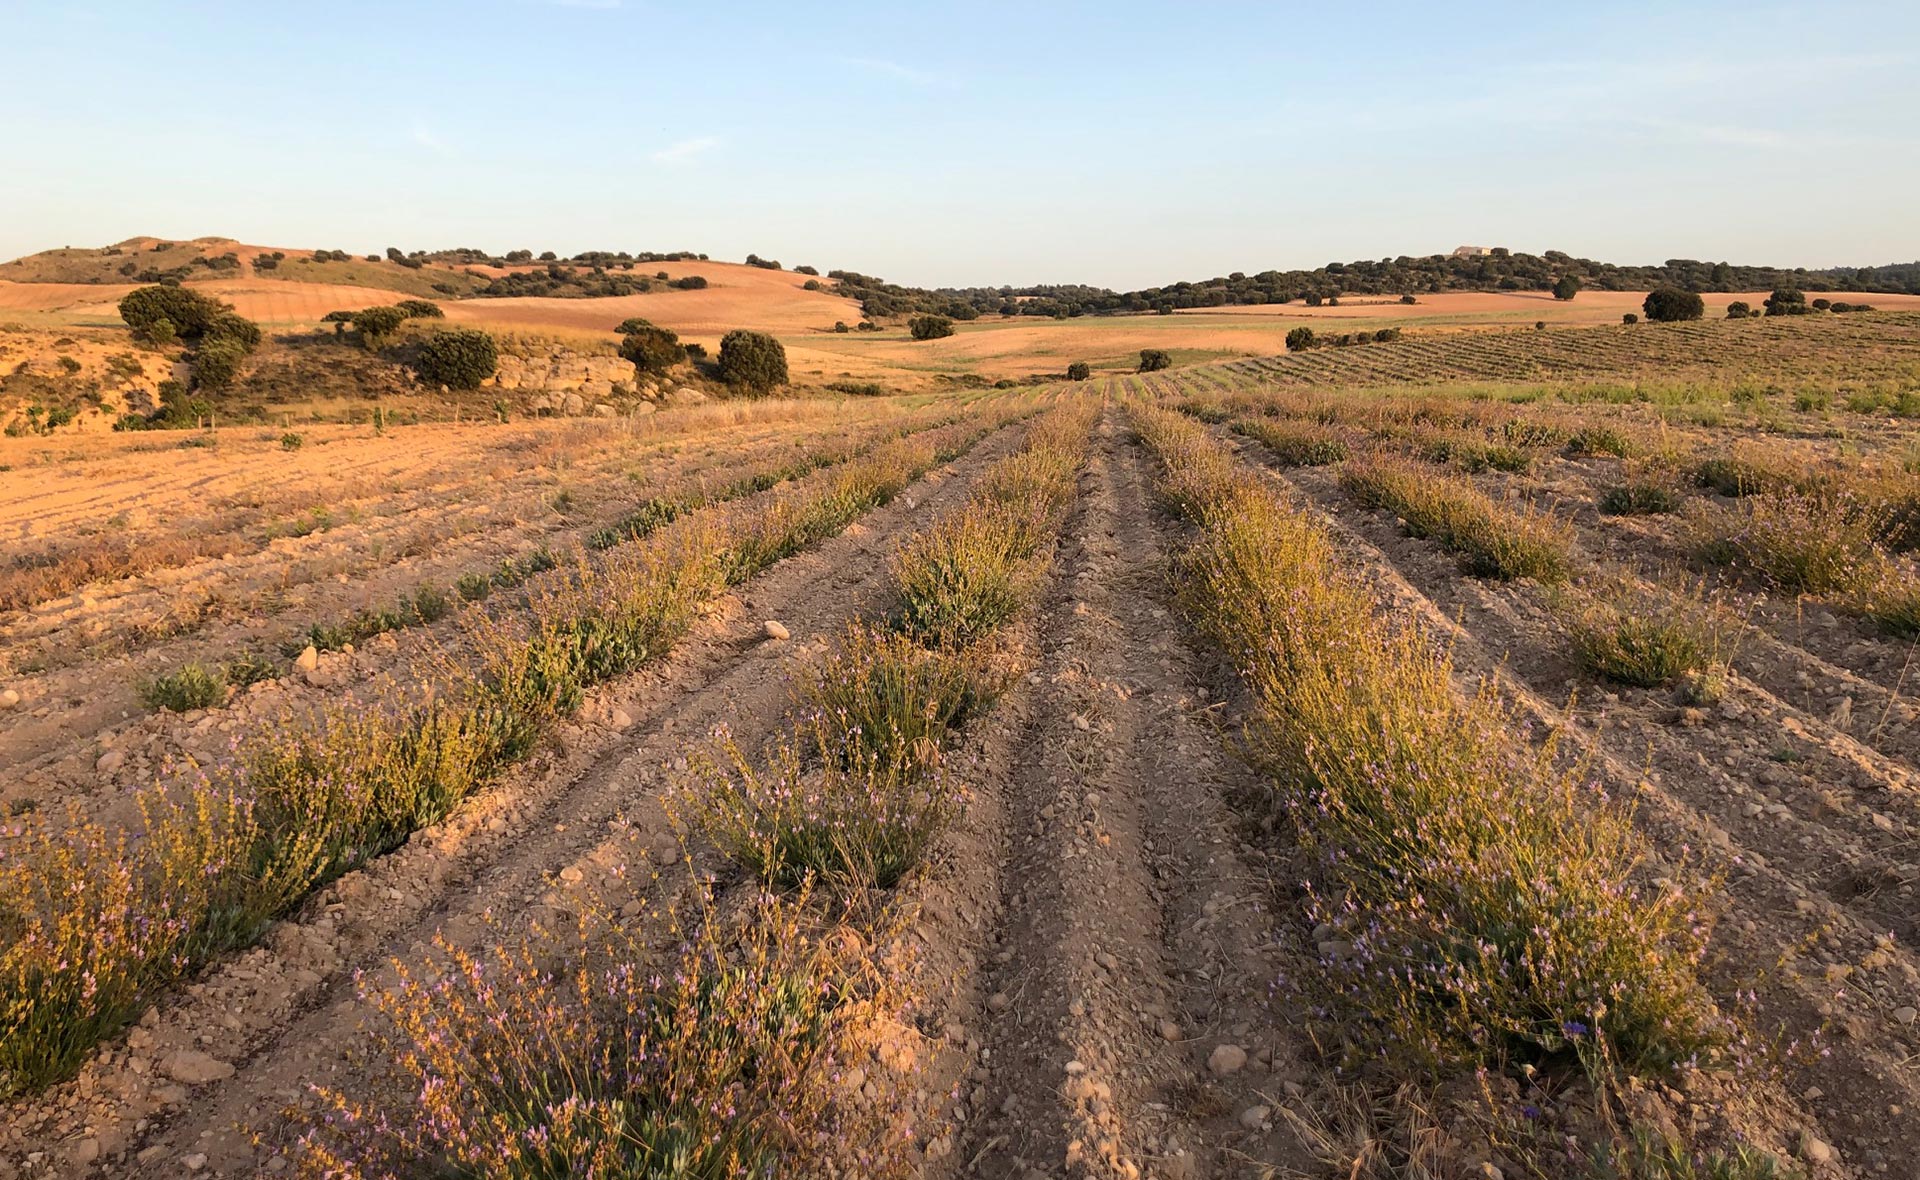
(285, 1015)
(56, 751)
(1851, 973)
(1129, 1031)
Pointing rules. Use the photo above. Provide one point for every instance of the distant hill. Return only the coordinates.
(438, 274)
(465, 273)
(1500, 270)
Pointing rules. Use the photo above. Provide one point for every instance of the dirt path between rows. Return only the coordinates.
(212, 1069)
(1128, 1026)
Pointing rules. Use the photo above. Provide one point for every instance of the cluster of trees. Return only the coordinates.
(218, 338)
(1152, 360)
(1554, 271)
(332, 256)
(458, 358)
(1792, 301)
(751, 363)
(269, 261)
(762, 263)
(376, 324)
(1303, 338)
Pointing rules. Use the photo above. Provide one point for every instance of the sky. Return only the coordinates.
(1117, 143)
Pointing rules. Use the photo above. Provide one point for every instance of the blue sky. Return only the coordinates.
(1116, 143)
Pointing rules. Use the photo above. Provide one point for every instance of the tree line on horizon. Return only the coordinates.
(1405, 276)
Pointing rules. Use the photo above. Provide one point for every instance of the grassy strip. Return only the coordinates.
(1306, 444)
(1829, 545)
(857, 794)
(1485, 906)
(729, 1059)
(428, 604)
(96, 923)
(1494, 539)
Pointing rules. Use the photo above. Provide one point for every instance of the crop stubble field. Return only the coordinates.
(1483, 751)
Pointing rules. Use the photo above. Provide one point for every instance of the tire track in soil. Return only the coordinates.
(1867, 1085)
(587, 821)
(1134, 943)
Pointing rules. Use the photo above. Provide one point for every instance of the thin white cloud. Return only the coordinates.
(891, 69)
(1718, 133)
(686, 150)
(601, 5)
(424, 136)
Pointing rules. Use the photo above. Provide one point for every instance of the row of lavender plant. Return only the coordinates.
(1478, 904)
(96, 921)
(732, 1055)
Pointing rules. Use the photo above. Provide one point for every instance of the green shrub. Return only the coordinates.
(929, 327)
(1152, 360)
(633, 324)
(458, 358)
(1301, 339)
(230, 328)
(894, 699)
(186, 313)
(1079, 371)
(1786, 301)
(1672, 305)
(420, 309)
(375, 324)
(1629, 318)
(1738, 310)
(1567, 287)
(962, 578)
(192, 687)
(652, 351)
(217, 363)
(291, 441)
(752, 362)
(1647, 641)
(1641, 497)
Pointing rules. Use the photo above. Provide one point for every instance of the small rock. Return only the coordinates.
(9, 699)
(621, 719)
(572, 874)
(1226, 1060)
(1076, 1068)
(109, 762)
(1169, 1031)
(1906, 1014)
(190, 1067)
(87, 1151)
(309, 659)
(998, 1002)
(1255, 1117)
(1814, 1149)
(777, 630)
(194, 1162)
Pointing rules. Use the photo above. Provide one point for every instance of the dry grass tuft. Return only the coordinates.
(1501, 539)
